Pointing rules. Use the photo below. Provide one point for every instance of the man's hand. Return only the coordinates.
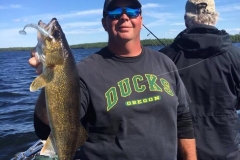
(34, 62)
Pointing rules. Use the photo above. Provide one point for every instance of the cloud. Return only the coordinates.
(49, 16)
(174, 30)
(81, 13)
(156, 23)
(2, 7)
(82, 28)
(177, 24)
(158, 18)
(159, 15)
(152, 5)
(17, 20)
(83, 31)
(3, 25)
(233, 30)
(15, 32)
(11, 6)
(229, 8)
(80, 24)
(13, 38)
(15, 6)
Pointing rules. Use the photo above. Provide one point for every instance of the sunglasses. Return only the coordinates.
(117, 13)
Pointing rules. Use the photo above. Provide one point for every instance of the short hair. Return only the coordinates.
(200, 12)
(202, 18)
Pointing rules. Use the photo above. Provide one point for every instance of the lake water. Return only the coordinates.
(17, 102)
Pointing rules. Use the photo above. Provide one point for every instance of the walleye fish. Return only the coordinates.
(62, 91)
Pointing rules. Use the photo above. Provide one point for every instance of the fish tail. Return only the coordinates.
(48, 148)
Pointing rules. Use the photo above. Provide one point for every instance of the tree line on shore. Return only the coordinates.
(147, 42)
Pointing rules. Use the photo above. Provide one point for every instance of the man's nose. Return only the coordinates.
(124, 17)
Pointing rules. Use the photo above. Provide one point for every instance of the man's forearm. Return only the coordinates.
(41, 109)
(188, 149)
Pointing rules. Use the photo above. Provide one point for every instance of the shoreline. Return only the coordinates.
(145, 42)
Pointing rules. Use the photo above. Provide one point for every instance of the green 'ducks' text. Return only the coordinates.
(136, 84)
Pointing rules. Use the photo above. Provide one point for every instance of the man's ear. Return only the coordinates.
(104, 24)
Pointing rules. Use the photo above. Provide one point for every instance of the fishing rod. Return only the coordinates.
(154, 35)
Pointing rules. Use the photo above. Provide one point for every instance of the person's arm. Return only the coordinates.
(41, 122)
(40, 119)
(186, 138)
(188, 149)
(187, 144)
(41, 108)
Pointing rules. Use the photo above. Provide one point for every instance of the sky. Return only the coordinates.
(81, 19)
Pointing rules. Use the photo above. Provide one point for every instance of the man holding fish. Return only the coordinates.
(133, 102)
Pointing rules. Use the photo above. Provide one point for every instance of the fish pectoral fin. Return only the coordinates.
(82, 137)
(38, 83)
(54, 59)
(48, 148)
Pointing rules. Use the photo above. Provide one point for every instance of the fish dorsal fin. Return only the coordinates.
(38, 83)
(54, 59)
(48, 148)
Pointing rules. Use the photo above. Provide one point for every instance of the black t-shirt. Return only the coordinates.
(130, 106)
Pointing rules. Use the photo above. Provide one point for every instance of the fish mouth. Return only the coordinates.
(42, 38)
(45, 30)
(47, 33)
(53, 28)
